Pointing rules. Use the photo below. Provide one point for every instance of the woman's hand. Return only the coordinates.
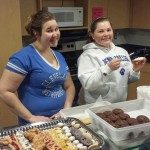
(114, 64)
(138, 65)
(34, 119)
(55, 116)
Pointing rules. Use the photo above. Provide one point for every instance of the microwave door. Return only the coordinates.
(65, 19)
(68, 16)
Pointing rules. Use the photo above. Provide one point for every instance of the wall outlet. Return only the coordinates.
(115, 35)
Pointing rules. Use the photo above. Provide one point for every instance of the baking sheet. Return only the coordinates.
(52, 124)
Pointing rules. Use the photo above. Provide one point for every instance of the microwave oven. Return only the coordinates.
(68, 16)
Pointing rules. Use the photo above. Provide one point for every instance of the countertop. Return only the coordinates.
(140, 143)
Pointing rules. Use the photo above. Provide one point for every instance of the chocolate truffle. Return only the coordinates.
(101, 115)
(117, 111)
(86, 141)
(142, 119)
(114, 117)
(107, 113)
(122, 123)
(108, 120)
(123, 116)
(132, 121)
(115, 125)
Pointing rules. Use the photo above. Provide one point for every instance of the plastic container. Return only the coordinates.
(79, 111)
(133, 108)
(143, 92)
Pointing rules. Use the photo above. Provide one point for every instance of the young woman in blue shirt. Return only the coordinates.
(38, 74)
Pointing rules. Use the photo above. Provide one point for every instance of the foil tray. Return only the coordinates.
(53, 124)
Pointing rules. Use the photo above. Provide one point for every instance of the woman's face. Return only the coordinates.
(50, 34)
(103, 34)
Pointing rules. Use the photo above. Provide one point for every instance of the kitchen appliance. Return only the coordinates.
(68, 16)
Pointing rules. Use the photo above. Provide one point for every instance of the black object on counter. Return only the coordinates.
(137, 51)
(141, 53)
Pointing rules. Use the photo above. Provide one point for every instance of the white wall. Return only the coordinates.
(133, 36)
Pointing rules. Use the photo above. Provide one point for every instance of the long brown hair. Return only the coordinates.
(35, 22)
(94, 26)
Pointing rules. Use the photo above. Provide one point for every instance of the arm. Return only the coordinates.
(135, 71)
(135, 67)
(9, 84)
(91, 72)
(70, 91)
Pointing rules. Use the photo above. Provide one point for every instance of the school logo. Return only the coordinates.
(122, 71)
(52, 85)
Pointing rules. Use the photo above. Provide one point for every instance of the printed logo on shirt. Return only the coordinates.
(53, 86)
(124, 62)
(54, 93)
(122, 57)
(122, 71)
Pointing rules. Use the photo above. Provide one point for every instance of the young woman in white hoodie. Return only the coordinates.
(104, 69)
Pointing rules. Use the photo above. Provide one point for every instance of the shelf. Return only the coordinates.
(73, 28)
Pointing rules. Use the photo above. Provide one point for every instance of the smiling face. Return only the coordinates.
(103, 34)
(50, 34)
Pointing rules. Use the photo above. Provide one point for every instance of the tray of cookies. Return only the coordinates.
(58, 134)
(123, 120)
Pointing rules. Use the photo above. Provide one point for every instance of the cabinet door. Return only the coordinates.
(88, 5)
(119, 13)
(132, 88)
(141, 12)
(132, 94)
(10, 42)
(27, 8)
(144, 79)
(117, 10)
(96, 3)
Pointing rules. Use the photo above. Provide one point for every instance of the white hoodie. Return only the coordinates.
(98, 80)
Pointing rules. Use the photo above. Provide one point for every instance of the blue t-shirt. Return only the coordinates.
(41, 91)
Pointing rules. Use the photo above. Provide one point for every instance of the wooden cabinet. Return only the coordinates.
(11, 41)
(54, 3)
(122, 13)
(145, 76)
(140, 14)
(144, 80)
(119, 13)
(27, 7)
(87, 7)
(132, 94)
